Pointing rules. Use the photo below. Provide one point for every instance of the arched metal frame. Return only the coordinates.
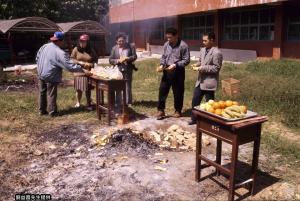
(33, 24)
(89, 27)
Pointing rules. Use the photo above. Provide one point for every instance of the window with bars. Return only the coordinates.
(193, 27)
(249, 25)
(293, 28)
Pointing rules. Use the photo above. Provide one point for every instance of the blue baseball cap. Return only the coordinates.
(57, 36)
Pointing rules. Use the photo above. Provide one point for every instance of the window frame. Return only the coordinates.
(240, 25)
(200, 29)
(289, 23)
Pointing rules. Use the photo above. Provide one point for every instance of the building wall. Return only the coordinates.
(263, 49)
(145, 9)
(277, 48)
(291, 50)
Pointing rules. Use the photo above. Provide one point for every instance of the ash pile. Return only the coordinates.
(175, 138)
(124, 141)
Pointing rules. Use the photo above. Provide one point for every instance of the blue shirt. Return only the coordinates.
(50, 62)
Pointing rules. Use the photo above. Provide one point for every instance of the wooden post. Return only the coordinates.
(278, 32)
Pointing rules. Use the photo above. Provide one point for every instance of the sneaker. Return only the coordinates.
(160, 115)
(77, 105)
(54, 114)
(177, 114)
(42, 113)
(192, 122)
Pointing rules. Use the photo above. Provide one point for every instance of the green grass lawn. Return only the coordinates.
(270, 88)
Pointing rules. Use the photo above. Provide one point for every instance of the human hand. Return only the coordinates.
(195, 68)
(87, 72)
(123, 59)
(81, 63)
(171, 67)
(160, 69)
(88, 66)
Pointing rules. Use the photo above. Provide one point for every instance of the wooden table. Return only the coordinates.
(235, 133)
(110, 87)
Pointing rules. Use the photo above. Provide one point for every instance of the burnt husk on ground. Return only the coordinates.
(127, 142)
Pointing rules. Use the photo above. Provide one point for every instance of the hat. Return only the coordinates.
(57, 36)
(84, 37)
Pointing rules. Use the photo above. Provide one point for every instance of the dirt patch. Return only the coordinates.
(65, 163)
(18, 86)
(283, 131)
(4, 123)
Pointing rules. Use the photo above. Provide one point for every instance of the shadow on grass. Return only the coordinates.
(72, 110)
(263, 179)
(134, 115)
(187, 113)
(149, 104)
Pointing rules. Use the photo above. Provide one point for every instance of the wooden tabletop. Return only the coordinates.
(105, 80)
(234, 124)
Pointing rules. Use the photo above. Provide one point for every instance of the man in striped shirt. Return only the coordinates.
(51, 60)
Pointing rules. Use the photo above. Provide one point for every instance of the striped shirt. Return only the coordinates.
(50, 62)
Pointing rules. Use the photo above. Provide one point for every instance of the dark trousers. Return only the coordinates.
(198, 96)
(47, 89)
(119, 96)
(128, 76)
(176, 81)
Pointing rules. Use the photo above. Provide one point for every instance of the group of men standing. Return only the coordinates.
(175, 57)
(51, 59)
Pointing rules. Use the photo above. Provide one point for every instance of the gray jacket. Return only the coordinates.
(50, 62)
(210, 67)
(179, 55)
(129, 52)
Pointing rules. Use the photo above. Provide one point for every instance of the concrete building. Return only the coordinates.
(269, 27)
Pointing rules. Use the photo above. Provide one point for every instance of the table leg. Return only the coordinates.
(113, 99)
(198, 152)
(218, 154)
(124, 105)
(234, 159)
(255, 160)
(109, 106)
(102, 97)
(98, 101)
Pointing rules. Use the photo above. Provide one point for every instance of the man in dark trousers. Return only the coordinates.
(51, 60)
(176, 56)
(208, 66)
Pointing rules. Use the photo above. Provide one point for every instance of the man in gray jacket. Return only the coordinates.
(51, 59)
(208, 66)
(175, 57)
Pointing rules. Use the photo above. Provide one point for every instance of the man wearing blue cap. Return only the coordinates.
(51, 60)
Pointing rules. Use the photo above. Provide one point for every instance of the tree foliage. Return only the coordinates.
(55, 10)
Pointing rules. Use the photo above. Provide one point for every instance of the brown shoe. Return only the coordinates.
(160, 115)
(177, 114)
